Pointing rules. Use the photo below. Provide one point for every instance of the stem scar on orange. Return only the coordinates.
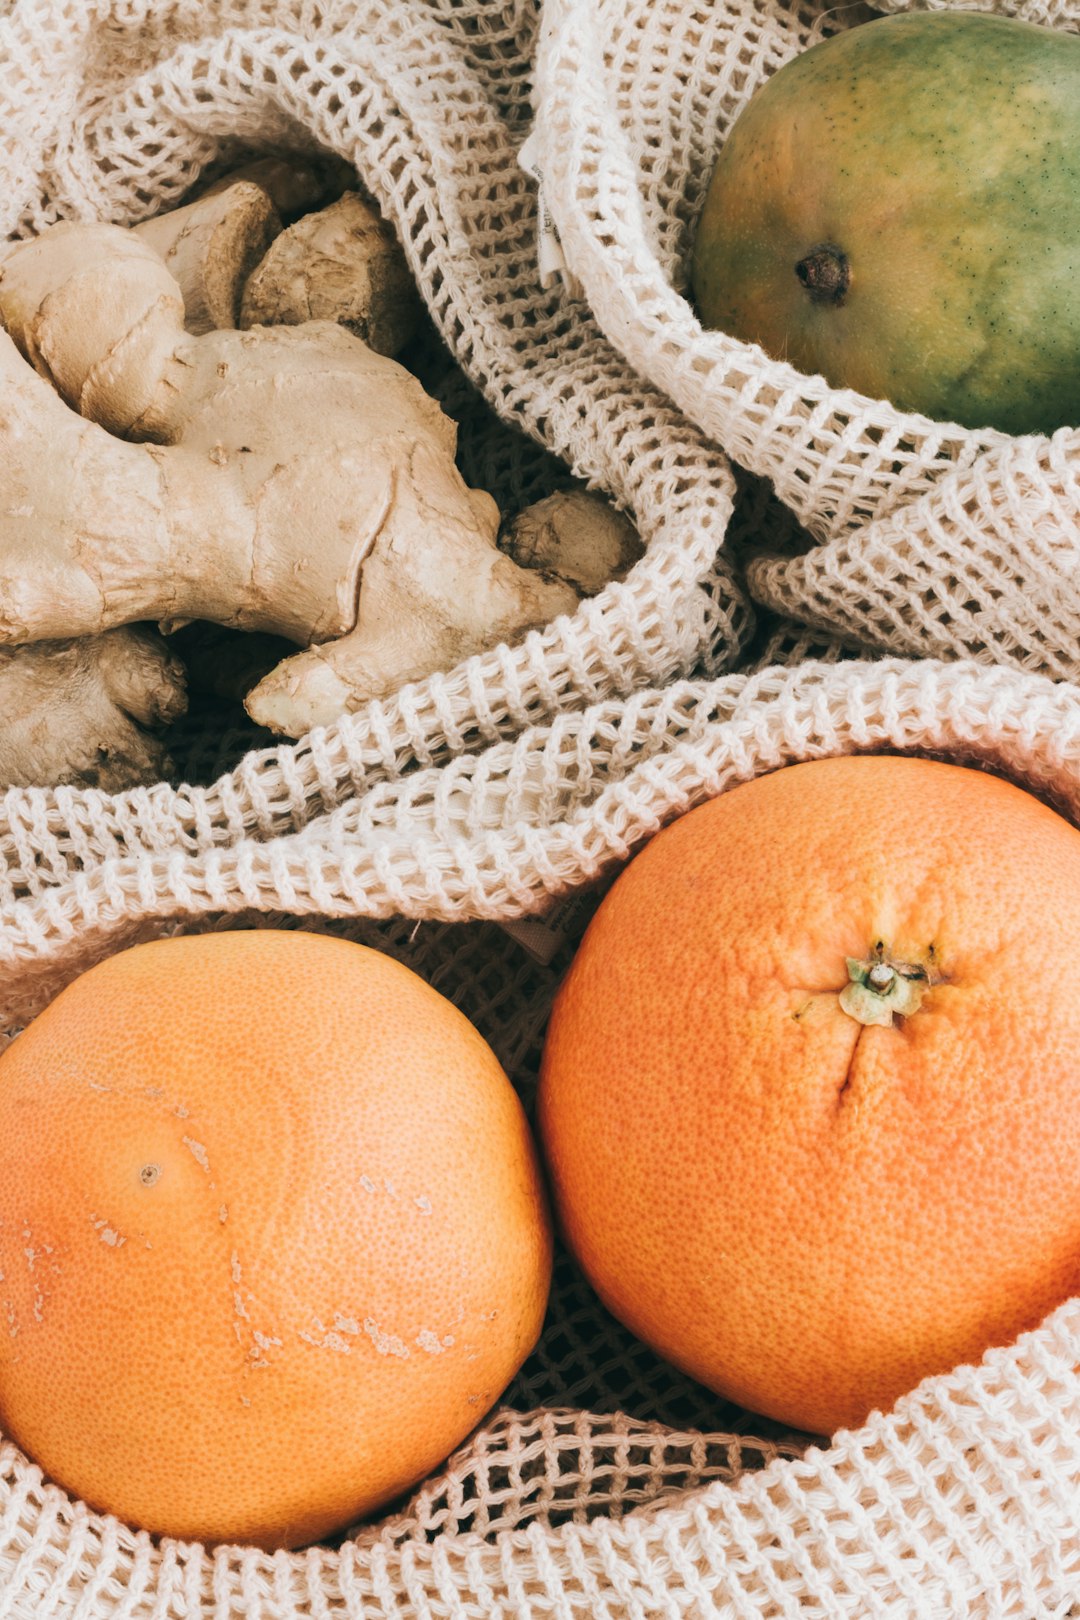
(272, 1235)
(810, 1094)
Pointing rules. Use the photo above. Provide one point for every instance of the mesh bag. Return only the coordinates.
(606, 1484)
(930, 539)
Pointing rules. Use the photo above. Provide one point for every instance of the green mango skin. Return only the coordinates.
(940, 152)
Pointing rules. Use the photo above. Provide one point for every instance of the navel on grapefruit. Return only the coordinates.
(810, 1093)
(272, 1235)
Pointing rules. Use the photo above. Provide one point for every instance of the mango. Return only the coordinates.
(898, 210)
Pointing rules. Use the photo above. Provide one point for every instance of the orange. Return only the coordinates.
(807, 1211)
(272, 1235)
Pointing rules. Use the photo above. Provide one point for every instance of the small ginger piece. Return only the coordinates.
(81, 712)
(573, 539)
(574, 542)
(211, 246)
(341, 264)
(102, 339)
(288, 479)
(574, 536)
(425, 605)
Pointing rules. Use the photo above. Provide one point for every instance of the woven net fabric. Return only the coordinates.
(922, 528)
(606, 1484)
(985, 564)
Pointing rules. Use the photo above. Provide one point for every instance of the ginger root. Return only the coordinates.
(424, 605)
(573, 539)
(286, 479)
(342, 264)
(575, 536)
(102, 330)
(211, 246)
(79, 711)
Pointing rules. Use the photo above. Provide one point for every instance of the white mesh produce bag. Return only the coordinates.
(932, 539)
(607, 1484)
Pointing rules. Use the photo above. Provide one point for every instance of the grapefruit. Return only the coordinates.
(272, 1235)
(810, 1093)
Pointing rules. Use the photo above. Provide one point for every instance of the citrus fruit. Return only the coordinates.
(272, 1235)
(810, 1093)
